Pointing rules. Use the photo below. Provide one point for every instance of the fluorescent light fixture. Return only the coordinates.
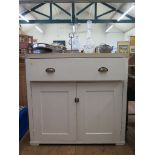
(109, 28)
(39, 29)
(21, 16)
(125, 13)
(73, 28)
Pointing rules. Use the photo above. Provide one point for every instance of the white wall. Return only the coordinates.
(61, 32)
(127, 35)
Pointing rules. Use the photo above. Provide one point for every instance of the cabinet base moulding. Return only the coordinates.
(75, 142)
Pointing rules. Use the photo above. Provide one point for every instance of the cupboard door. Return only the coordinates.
(99, 111)
(54, 111)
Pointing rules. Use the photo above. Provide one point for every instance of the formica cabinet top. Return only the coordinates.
(75, 55)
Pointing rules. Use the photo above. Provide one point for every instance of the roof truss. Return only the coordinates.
(73, 1)
(74, 16)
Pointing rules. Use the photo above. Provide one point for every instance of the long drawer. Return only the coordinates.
(76, 69)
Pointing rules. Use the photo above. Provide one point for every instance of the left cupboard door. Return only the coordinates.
(54, 111)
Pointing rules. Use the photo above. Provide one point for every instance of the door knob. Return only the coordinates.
(76, 100)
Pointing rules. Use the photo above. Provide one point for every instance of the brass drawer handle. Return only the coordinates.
(50, 70)
(103, 69)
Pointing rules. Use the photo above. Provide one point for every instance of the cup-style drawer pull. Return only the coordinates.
(50, 70)
(103, 69)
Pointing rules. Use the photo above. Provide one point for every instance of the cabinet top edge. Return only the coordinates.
(75, 55)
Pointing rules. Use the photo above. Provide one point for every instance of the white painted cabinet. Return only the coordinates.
(76, 102)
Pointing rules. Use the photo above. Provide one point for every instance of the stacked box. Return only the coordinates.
(25, 43)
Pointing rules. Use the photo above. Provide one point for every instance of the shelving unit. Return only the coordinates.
(131, 74)
(132, 57)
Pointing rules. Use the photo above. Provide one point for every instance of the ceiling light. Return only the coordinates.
(125, 13)
(73, 28)
(21, 16)
(109, 28)
(39, 29)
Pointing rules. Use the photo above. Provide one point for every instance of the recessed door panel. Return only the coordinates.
(54, 111)
(99, 111)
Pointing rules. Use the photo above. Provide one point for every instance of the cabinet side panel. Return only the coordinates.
(30, 105)
(124, 101)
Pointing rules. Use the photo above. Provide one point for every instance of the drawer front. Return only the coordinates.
(76, 69)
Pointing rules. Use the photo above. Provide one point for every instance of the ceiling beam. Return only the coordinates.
(90, 10)
(32, 9)
(95, 11)
(105, 13)
(62, 21)
(73, 13)
(75, 1)
(83, 9)
(114, 14)
(51, 11)
(117, 10)
(41, 13)
(58, 6)
(73, 17)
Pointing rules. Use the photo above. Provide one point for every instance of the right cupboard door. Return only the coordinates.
(99, 112)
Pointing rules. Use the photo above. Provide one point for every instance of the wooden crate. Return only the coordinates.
(23, 45)
(25, 39)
